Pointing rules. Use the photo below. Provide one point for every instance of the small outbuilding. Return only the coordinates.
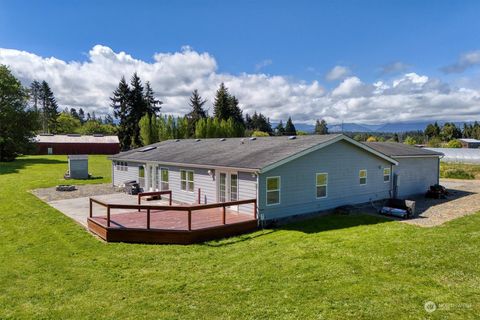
(77, 166)
(77, 144)
(417, 168)
(470, 143)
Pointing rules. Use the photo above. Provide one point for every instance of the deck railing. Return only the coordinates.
(155, 194)
(187, 208)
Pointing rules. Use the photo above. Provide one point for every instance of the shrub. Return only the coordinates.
(456, 174)
(372, 139)
(454, 144)
(260, 134)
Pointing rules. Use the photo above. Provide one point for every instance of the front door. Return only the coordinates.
(227, 187)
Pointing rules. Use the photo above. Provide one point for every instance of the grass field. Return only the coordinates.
(357, 267)
(459, 170)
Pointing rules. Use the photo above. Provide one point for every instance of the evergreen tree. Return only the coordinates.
(153, 105)
(197, 112)
(290, 128)
(108, 120)
(120, 105)
(137, 107)
(221, 104)
(49, 108)
(81, 116)
(321, 127)
(279, 129)
(73, 112)
(35, 89)
(234, 111)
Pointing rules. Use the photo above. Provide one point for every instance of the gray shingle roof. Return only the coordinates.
(393, 149)
(232, 152)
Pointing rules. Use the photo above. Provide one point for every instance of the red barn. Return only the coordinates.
(77, 144)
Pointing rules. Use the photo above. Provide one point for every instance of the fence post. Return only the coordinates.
(170, 198)
(139, 201)
(90, 208)
(199, 196)
(224, 217)
(148, 218)
(108, 216)
(189, 220)
(255, 209)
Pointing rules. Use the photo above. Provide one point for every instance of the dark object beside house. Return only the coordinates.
(407, 206)
(65, 187)
(437, 192)
(344, 210)
(132, 187)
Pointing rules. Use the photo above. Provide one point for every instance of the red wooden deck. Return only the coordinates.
(170, 224)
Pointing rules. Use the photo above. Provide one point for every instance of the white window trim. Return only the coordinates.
(186, 180)
(161, 177)
(389, 174)
(321, 185)
(366, 177)
(279, 191)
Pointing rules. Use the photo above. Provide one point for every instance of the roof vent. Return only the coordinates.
(252, 139)
(197, 140)
(242, 141)
(292, 138)
(177, 140)
(74, 135)
(223, 139)
(98, 134)
(147, 149)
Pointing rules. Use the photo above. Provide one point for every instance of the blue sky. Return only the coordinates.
(300, 41)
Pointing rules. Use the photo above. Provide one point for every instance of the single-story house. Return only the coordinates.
(470, 143)
(417, 168)
(287, 175)
(76, 144)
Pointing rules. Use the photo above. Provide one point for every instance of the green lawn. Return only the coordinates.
(358, 267)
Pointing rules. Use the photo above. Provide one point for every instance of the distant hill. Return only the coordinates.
(395, 127)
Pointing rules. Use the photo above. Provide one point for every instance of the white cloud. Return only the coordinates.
(465, 61)
(263, 64)
(408, 97)
(337, 73)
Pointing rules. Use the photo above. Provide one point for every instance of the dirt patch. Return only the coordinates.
(87, 190)
(464, 199)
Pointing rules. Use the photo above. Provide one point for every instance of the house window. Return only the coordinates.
(186, 180)
(125, 166)
(164, 179)
(321, 183)
(141, 172)
(386, 174)
(273, 190)
(363, 176)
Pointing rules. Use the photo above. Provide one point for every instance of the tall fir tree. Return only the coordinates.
(280, 129)
(153, 105)
(49, 112)
(81, 115)
(120, 104)
(221, 104)
(137, 108)
(196, 112)
(290, 128)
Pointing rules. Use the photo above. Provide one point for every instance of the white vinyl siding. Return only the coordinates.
(362, 174)
(186, 180)
(321, 185)
(273, 190)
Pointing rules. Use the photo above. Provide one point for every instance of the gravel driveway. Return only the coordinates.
(464, 199)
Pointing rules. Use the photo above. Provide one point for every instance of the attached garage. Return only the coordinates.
(417, 168)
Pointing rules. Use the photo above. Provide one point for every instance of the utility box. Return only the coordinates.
(77, 166)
